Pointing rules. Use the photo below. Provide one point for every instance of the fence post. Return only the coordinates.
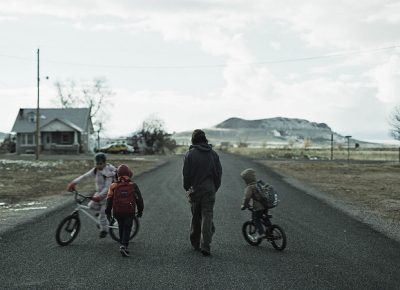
(348, 148)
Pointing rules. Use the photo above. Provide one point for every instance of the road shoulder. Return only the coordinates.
(373, 218)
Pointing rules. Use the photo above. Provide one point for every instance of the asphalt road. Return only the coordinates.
(326, 249)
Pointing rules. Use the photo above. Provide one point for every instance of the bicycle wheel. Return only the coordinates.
(248, 230)
(68, 230)
(114, 232)
(277, 237)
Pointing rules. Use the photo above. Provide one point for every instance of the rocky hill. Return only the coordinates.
(272, 131)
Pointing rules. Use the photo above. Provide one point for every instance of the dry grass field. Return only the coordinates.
(370, 185)
(366, 154)
(22, 178)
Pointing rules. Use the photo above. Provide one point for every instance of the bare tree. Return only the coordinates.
(395, 123)
(93, 95)
(153, 138)
(153, 125)
(67, 94)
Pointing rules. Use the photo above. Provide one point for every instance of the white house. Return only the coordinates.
(66, 130)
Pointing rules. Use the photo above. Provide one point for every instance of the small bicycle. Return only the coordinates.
(69, 227)
(275, 234)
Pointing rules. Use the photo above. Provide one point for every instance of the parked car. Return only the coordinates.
(117, 149)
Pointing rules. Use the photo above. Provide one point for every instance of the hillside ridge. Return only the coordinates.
(279, 130)
(238, 123)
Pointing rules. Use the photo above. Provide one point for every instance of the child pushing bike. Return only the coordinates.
(69, 227)
(104, 175)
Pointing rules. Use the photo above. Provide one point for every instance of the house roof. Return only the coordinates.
(77, 118)
(65, 122)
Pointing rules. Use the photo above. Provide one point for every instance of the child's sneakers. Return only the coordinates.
(124, 251)
(102, 234)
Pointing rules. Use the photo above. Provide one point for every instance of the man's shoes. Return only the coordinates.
(102, 234)
(124, 252)
(205, 253)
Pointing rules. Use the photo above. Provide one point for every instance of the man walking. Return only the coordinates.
(202, 173)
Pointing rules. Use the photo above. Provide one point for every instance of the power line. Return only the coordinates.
(18, 57)
(310, 58)
(339, 54)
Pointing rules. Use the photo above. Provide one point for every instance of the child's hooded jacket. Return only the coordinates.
(249, 176)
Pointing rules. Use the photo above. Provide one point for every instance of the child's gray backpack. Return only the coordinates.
(268, 196)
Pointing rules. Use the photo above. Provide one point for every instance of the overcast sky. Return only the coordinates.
(196, 63)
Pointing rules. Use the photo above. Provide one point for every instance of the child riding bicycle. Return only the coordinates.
(123, 197)
(251, 194)
(104, 175)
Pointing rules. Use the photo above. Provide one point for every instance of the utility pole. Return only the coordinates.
(98, 135)
(37, 139)
(348, 148)
(332, 146)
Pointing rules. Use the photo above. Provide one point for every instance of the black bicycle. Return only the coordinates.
(274, 233)
(69, 227)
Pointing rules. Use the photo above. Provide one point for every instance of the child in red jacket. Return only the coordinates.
(123, 198)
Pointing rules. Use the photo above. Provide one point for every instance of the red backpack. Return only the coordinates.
(124, 199)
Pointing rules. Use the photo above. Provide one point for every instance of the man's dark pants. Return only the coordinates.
(202, 227)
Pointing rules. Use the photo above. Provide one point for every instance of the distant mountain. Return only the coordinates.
(267, 131)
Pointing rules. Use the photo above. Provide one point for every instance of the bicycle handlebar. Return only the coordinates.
(77, 194)
(250, 208)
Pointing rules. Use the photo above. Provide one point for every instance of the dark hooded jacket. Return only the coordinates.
(202, 168)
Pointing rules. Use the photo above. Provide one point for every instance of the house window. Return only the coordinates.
(67, 138)
(27, 139)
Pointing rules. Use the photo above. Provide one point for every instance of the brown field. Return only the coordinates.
(22, 178)
(373, 186)
(370, 185)
(370, 154)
